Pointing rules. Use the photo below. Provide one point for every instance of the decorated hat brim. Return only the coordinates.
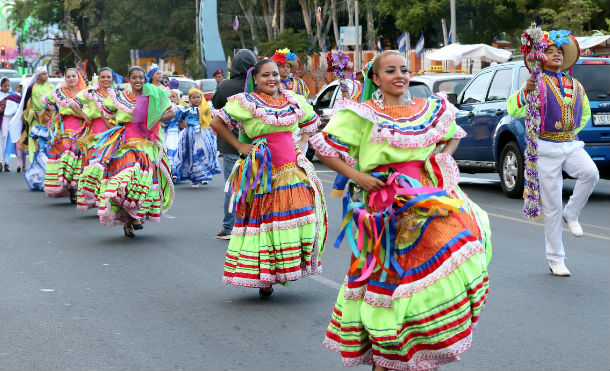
(571, 53)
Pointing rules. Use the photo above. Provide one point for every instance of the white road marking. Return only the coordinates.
(47, 290)
(168, 216)
(326, 281)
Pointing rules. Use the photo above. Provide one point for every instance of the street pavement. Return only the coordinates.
(77, 295)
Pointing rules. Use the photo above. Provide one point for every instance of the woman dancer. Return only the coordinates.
(155, 77)
(97, 104)
(280, 219)
(9, 103)
(137, 183)
(65, 155)
(196, 159)
(418, 275)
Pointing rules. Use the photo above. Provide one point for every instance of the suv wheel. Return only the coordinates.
(511, 170)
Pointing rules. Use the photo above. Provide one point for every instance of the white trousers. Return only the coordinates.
(3, 139)
(575, 161)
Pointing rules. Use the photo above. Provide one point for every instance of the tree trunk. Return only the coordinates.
(350, 12)
(250, 18)
(267, 18)
(282, 15)
(306, 16)
(333, 9)
(370, 25)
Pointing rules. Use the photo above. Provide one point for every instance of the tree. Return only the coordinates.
(574, 15)
(297, 42)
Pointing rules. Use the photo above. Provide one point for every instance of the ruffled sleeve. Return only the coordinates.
(180, 113)
(454, 131)
(341, 137)
(310, 121)
(49, 101)
(233, 114)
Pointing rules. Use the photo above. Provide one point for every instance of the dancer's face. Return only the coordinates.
(43, 77)
(71, 78)
(392, 77)
(105, 79)
(268, 79)
(137, 79)
(285, 70)
(195, 99)
(173, 97)
(6, 86)
(554, 57)
(157, 77)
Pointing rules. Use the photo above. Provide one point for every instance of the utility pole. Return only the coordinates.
(197, 41)
(357, 49)
(453, 32)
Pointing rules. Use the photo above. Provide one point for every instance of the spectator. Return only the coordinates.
(244, 59)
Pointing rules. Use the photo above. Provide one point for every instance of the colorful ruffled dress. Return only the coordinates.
(137, 180)
(296, 85)
(96, 104)
(196, 159)
(65, 154)
(280, 220)
(418, 275)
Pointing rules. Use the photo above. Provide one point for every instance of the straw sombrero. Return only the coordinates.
(568, 44)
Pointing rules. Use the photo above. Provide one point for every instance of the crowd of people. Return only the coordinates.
(417, 280)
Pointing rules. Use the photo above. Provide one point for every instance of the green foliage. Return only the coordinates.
(298, 42)
(572, 15)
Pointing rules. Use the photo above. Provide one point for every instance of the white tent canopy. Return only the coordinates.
(587, 42)
(457, 52)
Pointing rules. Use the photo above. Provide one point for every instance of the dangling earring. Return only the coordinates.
(408, 96)
(378, 98)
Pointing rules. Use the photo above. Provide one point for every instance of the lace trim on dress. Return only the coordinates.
(418, 131)
(289, 113)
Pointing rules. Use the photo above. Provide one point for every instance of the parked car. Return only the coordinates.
(496, 141)
(450, 83)
(208, 87)
(186, 84)
(13, 76)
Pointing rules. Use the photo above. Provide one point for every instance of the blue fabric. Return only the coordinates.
(197, 157)
(171, 134)
(34, 175)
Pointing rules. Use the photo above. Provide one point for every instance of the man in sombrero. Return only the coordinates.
(564, 112)
(288, 64)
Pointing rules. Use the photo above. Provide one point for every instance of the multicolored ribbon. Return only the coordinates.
(107, 145)
(375, 247)
(251, 173)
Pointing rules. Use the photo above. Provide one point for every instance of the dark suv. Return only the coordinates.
(496, 141)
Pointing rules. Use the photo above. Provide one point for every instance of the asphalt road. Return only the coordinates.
(76, 295)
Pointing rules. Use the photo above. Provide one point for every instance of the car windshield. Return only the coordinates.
(208, 85)
(453, 86)
(186, 85)
(596, 80)
(419, 89)
(10, 74)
